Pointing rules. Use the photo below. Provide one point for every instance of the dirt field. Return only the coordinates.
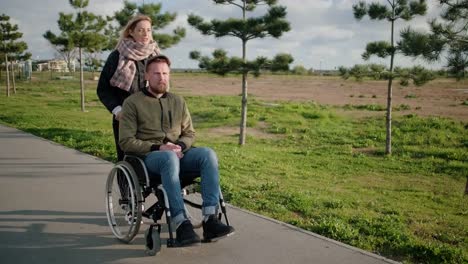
(441, 97)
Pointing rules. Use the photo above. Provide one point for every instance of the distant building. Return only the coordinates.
(54, 66)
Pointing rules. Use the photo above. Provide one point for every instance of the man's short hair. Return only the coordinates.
(156, 59)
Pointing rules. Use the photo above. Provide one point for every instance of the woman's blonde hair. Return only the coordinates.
(131, 25)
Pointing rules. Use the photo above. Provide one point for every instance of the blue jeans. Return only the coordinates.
(169, 166)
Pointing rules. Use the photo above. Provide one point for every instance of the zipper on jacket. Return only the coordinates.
(162, 116)
(170, 119)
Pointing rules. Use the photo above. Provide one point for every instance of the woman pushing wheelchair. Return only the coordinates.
(149, 120)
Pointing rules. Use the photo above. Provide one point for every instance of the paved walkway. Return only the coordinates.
(52, 211)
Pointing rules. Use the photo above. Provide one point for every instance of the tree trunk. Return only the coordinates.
(243, 123)
(7, 76)
(71, 69)
(13, 77)
(466, 186)
(82, 82)
(388, 141)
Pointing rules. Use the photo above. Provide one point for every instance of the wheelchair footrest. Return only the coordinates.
(193, 204)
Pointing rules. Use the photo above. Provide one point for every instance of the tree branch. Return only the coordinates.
(390, 3)
(230, 2)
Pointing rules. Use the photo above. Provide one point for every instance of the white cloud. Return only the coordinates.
(323, 51)
(104, 7)
(328, 33)
(306, 5)
(345, 4)
(356, 55)
(321, 30)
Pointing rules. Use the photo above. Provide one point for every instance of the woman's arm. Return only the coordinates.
(107, 93)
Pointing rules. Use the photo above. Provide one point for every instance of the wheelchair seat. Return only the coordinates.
(146, 178)
(128, 185)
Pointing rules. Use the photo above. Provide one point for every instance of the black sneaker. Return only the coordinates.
(185, 236)
(213, 229)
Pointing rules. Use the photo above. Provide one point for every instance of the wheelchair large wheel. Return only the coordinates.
(124, 202)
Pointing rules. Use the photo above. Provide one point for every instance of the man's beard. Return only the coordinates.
(159, 88)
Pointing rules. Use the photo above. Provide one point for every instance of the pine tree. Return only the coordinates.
(449, 33)
(392, 11)
(79, 31)
(11, 47)
(273, 24)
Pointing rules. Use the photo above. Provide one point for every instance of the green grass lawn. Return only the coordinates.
(306, 165)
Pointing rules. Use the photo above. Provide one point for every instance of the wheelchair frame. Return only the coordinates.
(123, 194)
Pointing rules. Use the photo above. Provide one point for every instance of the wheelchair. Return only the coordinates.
(129, 185)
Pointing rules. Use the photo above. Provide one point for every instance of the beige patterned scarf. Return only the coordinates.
(130, 52)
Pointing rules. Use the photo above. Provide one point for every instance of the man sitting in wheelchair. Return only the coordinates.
(157, 123)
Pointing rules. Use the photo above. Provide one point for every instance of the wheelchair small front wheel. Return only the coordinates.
(124, 202)
(153, 240)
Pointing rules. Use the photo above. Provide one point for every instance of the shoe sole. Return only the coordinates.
(188, 243)
(214, 239)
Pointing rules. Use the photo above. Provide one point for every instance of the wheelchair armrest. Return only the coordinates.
(138, 165)
(132, 154)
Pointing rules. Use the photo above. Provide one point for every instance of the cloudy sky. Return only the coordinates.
(324, 33)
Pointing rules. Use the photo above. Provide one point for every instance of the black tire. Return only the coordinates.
(124, 202)
(153, 241)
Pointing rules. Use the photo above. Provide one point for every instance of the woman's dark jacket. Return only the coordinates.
(112, 96)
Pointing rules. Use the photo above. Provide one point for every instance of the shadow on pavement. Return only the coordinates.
(48, 237)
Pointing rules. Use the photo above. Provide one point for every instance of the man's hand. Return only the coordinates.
(172, 147)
